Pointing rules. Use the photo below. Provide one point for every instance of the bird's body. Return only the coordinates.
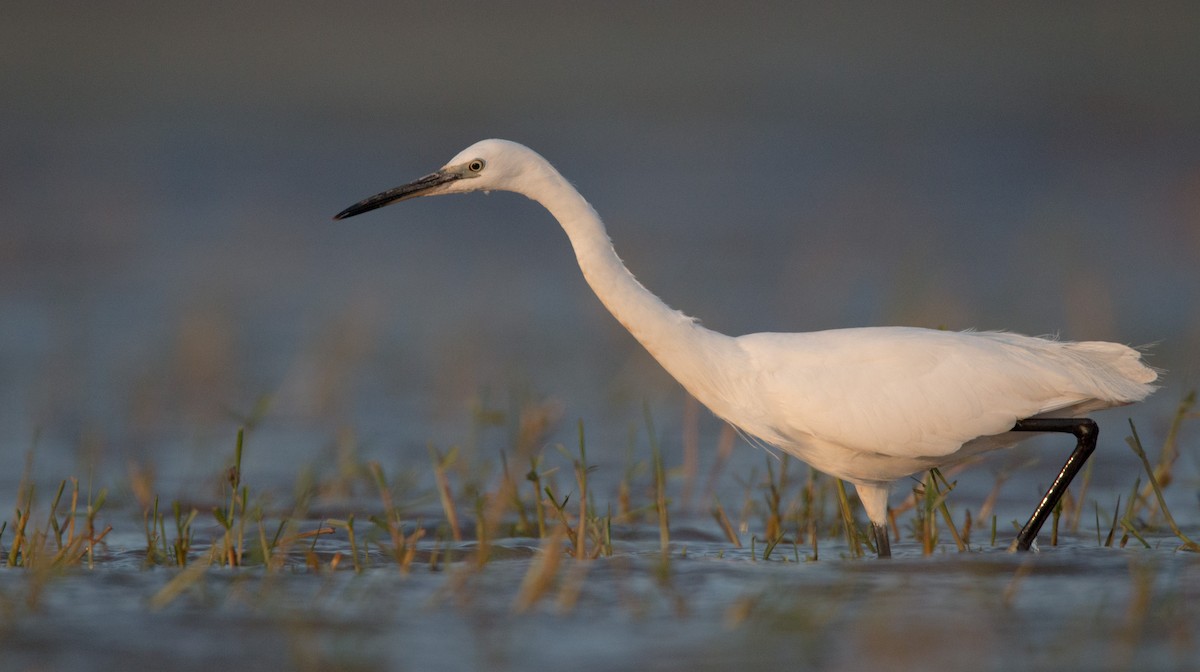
(874, 405)
(868, 405)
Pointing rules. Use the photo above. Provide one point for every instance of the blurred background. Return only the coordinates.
(168, 172)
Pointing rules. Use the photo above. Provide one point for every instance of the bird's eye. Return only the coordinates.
(476, 165)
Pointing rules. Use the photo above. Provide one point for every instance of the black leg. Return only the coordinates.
(883, 545)
(1086, 432)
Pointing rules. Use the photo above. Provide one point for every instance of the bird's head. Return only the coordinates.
(488, 165)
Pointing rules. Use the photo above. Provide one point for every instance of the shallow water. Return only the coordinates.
(1074, 606)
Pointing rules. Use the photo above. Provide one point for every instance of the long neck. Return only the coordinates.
(686, 350)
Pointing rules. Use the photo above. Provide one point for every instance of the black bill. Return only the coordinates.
(411, 190)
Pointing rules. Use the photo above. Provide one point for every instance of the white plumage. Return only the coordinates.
(867, 405)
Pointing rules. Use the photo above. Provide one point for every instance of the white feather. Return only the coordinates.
(867, 405)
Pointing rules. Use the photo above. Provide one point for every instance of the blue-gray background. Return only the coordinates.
(168, 172)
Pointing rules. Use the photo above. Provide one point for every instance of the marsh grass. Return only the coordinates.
(61, 543)
(232, 518)
(557, 527)
(403, 548)
(932, 495)
(1154, 476)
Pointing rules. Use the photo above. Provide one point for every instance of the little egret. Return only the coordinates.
(867, 405)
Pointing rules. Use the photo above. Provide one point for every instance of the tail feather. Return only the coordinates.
(1120, 367)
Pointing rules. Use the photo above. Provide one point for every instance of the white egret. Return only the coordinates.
(868, 405)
